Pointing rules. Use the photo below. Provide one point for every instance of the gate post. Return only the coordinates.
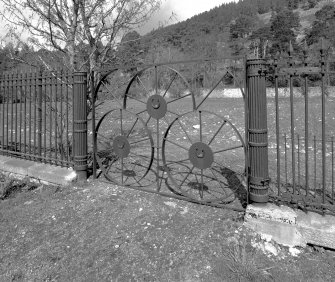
(79, 108)
(257, 131)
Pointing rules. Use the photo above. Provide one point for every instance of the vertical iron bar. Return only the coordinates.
(30, 119)
(45, 96)
(277, 123)
(314, 163)
(298, 136)
(285, 142)
(7, 110)
(157, 145)
(332, 144)
(39, 115)
(8, 101)
(323, 121)
(50, 115)
(292, 118)
(156, 81)
(15, 89)
(306, 127)
(21, 91)
(61, 117)
(54, 85)
(122, 133)
(25, 113)
(3, 86)
(12, 110)
(93, 93)
(35, 112)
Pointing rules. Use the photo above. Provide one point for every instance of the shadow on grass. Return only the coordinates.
(236, 185)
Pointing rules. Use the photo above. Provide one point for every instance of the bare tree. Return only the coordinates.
(67, 25)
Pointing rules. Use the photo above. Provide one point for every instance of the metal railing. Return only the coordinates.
(301, 131)
(37, 116)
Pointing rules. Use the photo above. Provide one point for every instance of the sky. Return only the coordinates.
(173, 11)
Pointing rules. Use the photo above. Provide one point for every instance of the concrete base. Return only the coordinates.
(291, 227)
(45, 173)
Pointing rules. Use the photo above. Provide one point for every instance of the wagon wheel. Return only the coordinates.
(204, 157)
(124, 148)
(155, 94)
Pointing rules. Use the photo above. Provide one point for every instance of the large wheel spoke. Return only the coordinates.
(111, 91)
(139, 141)
(171, 112)
(217, 132)
(174, 77)
(200, 123)
(188, 174)
(136, 99)
(179, 98)
(201, 190)
(229, 149)
(142, 84)
(178, 145)
(183, 129)
(178, 161)
(139, 156)
(132, 128)
(215, 177)
(122, 170)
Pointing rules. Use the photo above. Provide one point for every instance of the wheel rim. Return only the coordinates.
(207, 161)
(124, 148)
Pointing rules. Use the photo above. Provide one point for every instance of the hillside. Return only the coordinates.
(249, 27)
(255, 28)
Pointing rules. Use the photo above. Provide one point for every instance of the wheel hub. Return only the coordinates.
(156, 106)
(201, 155)
(121, 146)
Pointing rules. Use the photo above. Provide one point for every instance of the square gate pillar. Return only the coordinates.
(257, 131)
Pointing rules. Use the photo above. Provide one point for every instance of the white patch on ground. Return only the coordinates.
(72, 176)
(171, 204)
(294, 251)
(266, 247)
(184, 211)
(197, 126)
(266, 237)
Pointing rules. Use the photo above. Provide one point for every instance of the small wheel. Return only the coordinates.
(204, 157)
(155, 94)
(124, 148)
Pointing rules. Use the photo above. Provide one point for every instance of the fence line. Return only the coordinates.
(36, 113)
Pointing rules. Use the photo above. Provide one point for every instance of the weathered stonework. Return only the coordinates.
(291, 227)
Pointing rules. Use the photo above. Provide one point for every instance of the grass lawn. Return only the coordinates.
(102, 232)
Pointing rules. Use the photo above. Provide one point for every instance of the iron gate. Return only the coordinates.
(167, 137)
(164, 133)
